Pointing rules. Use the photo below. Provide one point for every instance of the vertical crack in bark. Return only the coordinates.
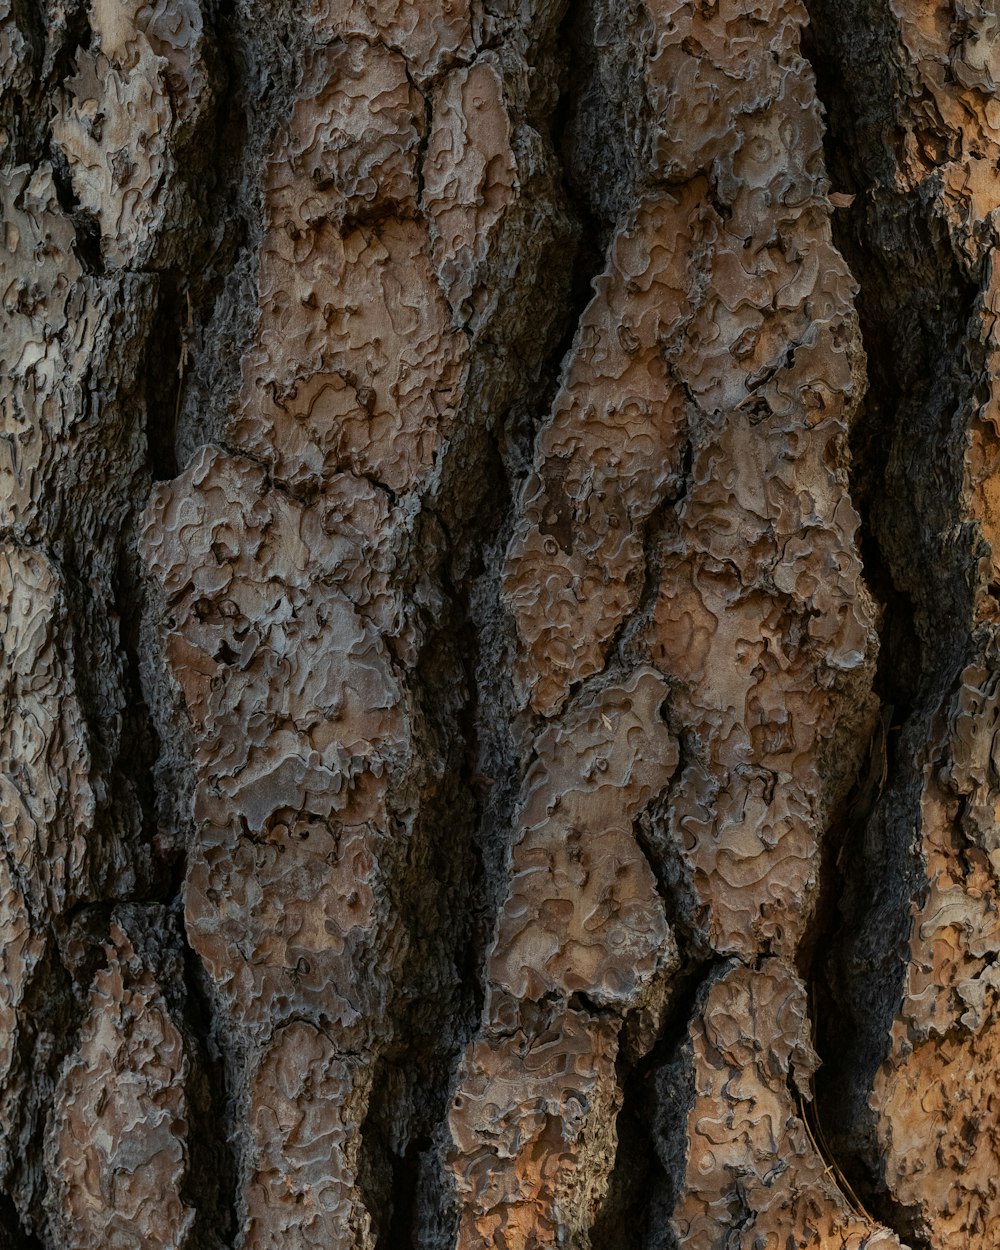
(385, 1046)
(893, 132)
(211, 1181)
(104, 233)
(730, 805)
(51, 1011)
(475, 515)
(12, 1234)
(87, 245)
(203, 321)
(586, 125)
(657, 1092)
(165, 368)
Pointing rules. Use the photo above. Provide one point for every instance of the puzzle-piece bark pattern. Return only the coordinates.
(87, 186)
(698, 442)
(307, 1106)
(359, 216)
(117, 1146)
(287, 562)
(530, 1147)
(140, 80)
(582, 915)
(752, 1165)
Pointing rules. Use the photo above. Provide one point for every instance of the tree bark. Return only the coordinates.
(498, 605)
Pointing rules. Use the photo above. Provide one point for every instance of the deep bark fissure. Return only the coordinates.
(914, 305)
(211, 1183)
(141, 746)
(214, 310)
(164, 370)
(434, 1008)
(85, 223)
(406, 1180)
(475, 809)
(649, 1168)
(53, 1010)
(12, 1233)
(590, 130)
(202, 324)
(24, 125)
(499, 764)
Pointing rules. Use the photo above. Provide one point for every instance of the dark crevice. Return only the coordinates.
(71, 24)
(386, 1177)
(141, 746)
(580, 1000)
(475, 791)
(48, 1019)
(583, 135)
(209, 273)
(164, 372)
(907, 445)
(652, 1124)
(467, 703)
(87, 244)
(435, 900)
(407, 1173)
(819, 942)
(624, 1217)
(12, 1233)
(590, 133)
(391, 1185)
(21, 118)
(421, 156)
(211, 1182)
(661, 847)
(52, 36)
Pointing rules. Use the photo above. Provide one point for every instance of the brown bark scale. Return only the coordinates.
(498, 611)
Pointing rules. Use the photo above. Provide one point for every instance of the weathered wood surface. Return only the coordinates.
(497, 604)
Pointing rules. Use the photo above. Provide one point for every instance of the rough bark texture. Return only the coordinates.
(498, 604)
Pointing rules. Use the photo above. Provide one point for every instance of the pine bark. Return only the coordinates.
(498, 606)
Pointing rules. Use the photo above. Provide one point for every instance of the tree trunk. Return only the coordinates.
(499, 674)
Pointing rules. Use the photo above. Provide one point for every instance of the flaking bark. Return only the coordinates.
(498, 600)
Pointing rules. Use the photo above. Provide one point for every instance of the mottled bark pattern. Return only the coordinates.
(459, 785)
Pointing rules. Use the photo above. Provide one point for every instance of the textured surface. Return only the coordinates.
(926, 1130)
(583, 913)
(139, 80)
(460, 785)
(117, 1144)
(284, 572)
(306, 1110)
(531, 1150)
(97, 1078)
(746, 1124)
(710, 387)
